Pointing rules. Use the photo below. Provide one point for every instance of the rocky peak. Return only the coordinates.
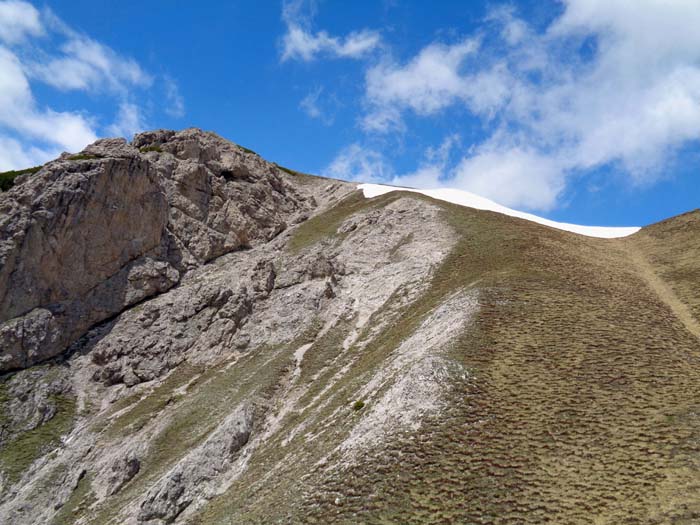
(95, 232)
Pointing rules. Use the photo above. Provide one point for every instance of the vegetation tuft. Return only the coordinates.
(78, 503)
(7, 178)
(325, 225)
(18, 454)
(573, 411)
(247, 150)
(358, 405)
(83, 156)
(146, 149)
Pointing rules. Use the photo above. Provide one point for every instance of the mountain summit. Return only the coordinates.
(191, 334)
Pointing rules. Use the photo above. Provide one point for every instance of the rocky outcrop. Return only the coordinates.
(92, 234)
(177, 490)
(188, 364)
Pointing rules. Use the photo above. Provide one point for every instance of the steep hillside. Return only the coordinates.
(397, 359)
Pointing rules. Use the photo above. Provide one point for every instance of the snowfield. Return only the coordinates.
(464, 198)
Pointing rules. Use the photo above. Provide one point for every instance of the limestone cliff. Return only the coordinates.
(94, 233)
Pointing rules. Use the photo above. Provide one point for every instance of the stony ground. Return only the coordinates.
(393, 360)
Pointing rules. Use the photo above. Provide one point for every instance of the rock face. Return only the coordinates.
(167, 499)
(187, 346)
(94, 233)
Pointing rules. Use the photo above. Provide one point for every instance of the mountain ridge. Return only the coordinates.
(387, 359)
(465, 198)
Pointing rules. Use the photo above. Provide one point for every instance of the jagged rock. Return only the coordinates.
(173, 494)
(91, 234)
(29, 400)
(199, 328)
(123, 470)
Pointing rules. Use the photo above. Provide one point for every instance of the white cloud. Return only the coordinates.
(606, 84)
(310, 104)
(19, 111)
(176, 102)
(17, 21)
(433, 168)
(432, 81)
(88, 65)
(39, 47)
(300, 43)
(303, 45)
(316, 108)
(128, 122)
(428, 83)
(383, 119)
(358, 163)
(513, 177)
(14, 155)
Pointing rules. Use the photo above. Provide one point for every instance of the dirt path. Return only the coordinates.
(665, 293)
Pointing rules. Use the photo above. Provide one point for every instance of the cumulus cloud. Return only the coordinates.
(433, 168)
(513, 177)
(301, 43)
(427, 83)
(37, 46)
(85, 64)
(20, 113)
(18, 20)
(432, 81)
(15, 155)
(606, 84)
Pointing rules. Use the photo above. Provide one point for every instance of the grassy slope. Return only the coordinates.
(673, 249)
(582, 409)
(17, 455)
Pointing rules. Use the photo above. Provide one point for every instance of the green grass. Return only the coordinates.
(4, 399)
(302, 178)
(673, 248)
(18, 454)
(7, 178)
(562, 419)
(573, 411)
(324, 226)
(247, 150)
(144, 409)
(83, 156)
(78, 503)
(406, 239)
(289, 171)
(146, 149)
(211, 395)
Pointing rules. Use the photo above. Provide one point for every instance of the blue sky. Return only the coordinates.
(583, 111)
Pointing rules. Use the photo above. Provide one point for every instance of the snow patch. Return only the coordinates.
(464, 198)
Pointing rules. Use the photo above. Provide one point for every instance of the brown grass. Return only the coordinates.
(582, 407)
